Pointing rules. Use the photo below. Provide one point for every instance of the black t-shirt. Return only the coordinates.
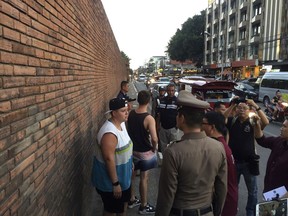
(137, 132)
(241, 139)
(168, 112)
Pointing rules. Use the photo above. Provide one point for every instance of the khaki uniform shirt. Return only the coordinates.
(194, 170)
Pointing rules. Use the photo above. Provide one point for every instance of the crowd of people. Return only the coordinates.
(200, 172)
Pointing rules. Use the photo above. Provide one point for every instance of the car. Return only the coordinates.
(154, 87)
(142, 78)
(244, 90)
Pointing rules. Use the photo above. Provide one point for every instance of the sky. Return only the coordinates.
(143, 28)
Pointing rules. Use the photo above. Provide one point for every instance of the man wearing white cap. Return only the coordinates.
(194, 169)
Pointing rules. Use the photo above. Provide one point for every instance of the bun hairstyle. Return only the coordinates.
(218, 120)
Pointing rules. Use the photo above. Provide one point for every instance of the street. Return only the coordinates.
(271, 130)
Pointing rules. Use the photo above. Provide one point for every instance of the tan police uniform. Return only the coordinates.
(193, 173)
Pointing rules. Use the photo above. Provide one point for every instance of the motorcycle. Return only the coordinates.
(282, 112)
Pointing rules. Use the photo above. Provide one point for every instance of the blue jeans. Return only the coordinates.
(251, 184)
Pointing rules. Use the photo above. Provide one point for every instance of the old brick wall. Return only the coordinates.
(59, 66)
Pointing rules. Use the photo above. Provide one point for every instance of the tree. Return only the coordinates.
(187, 43)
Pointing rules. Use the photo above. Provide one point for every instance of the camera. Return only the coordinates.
(239, 100)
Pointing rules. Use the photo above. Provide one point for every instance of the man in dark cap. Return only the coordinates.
(194, 169)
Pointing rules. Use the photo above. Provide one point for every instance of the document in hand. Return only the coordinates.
(275, 193)
(272, 208)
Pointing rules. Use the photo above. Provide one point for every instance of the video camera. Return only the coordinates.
(239, 100)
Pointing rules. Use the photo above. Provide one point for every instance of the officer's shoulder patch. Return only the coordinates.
(173, 142)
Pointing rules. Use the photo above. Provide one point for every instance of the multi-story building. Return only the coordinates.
(243, 35)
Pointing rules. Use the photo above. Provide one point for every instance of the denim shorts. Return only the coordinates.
(113, 205)
(145, 164)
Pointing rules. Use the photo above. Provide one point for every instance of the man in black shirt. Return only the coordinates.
(123, 93)
(241, 142)
(166, 120)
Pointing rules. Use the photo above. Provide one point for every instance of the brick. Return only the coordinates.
(40, 27)
(22, 49)
(6, 20)
(24, 18)
(5, 205)
(13, 185)
(10, 82)
(6, 94)
(23, 102)
(12, 58)
(4, 132)
(8, 165)
(3, 157)
(11, 34)
(29, 90)
(39, 44)
(19, 147)
(32, 13)
(6, 70)
(9, 9)
(20, 167)
(5, 44)
(4, 180)
(47, 121)
(20, 26)
(24, 39)
(6, 119)
(19, 4)
(25, 153)
(5, 106)
(24, 71)
(34, 61)
(22, 124)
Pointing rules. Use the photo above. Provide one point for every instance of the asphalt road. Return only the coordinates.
(270, 130)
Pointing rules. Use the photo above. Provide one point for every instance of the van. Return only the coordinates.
(270, 83)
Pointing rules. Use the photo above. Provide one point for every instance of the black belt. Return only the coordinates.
(191, 212)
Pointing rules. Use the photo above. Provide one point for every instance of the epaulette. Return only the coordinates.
(173, 142)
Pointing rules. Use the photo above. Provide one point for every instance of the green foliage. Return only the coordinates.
(188, 43)
(125, 57)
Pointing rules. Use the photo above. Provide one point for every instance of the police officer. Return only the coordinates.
(194, 169)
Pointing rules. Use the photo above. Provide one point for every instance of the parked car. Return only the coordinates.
(244, 90)
(154, 87)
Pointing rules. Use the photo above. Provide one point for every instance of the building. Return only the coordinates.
(243, 35)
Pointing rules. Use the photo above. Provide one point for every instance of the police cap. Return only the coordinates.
(186, 99)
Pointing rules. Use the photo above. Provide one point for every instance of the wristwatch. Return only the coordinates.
(116, 183)
(259, 108)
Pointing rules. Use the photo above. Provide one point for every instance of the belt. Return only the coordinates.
(191, 212)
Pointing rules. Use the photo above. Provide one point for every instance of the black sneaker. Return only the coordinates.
(148, 209)
(134, 203)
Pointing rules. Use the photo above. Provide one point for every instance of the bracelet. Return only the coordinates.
(116, 183)
(259, 108)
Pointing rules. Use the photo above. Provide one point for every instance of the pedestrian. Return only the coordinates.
(220, 107)
(123, 93)
(194, 169)
(214, 126)
(241, 142)
(277, 164)
(156, 101)
(113, 164)
(166, 119)
(142, 130)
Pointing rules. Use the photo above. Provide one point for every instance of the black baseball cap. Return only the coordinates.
(116, 103)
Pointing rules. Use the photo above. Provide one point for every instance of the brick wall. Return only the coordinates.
(59, 66)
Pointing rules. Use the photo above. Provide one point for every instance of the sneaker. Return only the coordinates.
(134, 203)
(148, 209)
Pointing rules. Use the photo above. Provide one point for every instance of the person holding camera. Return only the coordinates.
(277, 164)
(241, 142)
